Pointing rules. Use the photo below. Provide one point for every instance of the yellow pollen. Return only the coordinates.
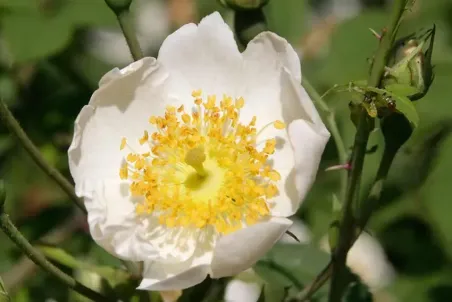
(124, 172)
(186, 118)
(279, 125)
(144, 138)
(239, 103)
(203, 169)
(123, 143)
(196, 93)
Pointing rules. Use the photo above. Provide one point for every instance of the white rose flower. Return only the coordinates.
(184, 162)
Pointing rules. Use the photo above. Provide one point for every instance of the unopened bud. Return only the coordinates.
(118, 6)
(244, 4)
(411, 64)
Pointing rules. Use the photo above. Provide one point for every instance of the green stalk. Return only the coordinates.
(125, 21)
(332, 126)
(121, 8)
(349, 221)
(15, 129)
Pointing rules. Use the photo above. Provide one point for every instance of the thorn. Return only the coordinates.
(377, 35)
(346, 166)
(293, 236)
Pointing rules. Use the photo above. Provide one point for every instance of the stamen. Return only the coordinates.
(233, 184)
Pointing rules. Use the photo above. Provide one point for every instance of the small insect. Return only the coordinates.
(369, 98)
(390, 103)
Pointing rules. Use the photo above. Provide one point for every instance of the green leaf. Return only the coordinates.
(31, 32)
(114, 276)
(291, 265)
(89, 13)
(30, 36)
(401, 89)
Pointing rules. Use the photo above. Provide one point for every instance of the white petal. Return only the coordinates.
(299, 148)
(308, 146)
(242, 291)
(272, 91)
(308, 137)
(203, 57)
(113, 223)
(115, 226)
(238, 251)
(278, 49)
(298, 105)
(268, 64)
(120, 108)
(181, 275)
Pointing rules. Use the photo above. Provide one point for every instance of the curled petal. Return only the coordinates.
(181, 275)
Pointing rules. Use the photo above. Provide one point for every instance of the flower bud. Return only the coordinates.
(411, 64)
(118, 5)
(244, 4)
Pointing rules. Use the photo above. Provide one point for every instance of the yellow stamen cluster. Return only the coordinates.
(203, 168)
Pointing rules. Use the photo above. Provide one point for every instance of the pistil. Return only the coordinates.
(196, 157)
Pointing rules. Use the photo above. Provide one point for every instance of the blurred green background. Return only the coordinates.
(53, 52)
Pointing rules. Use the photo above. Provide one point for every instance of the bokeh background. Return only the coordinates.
(53, 52)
